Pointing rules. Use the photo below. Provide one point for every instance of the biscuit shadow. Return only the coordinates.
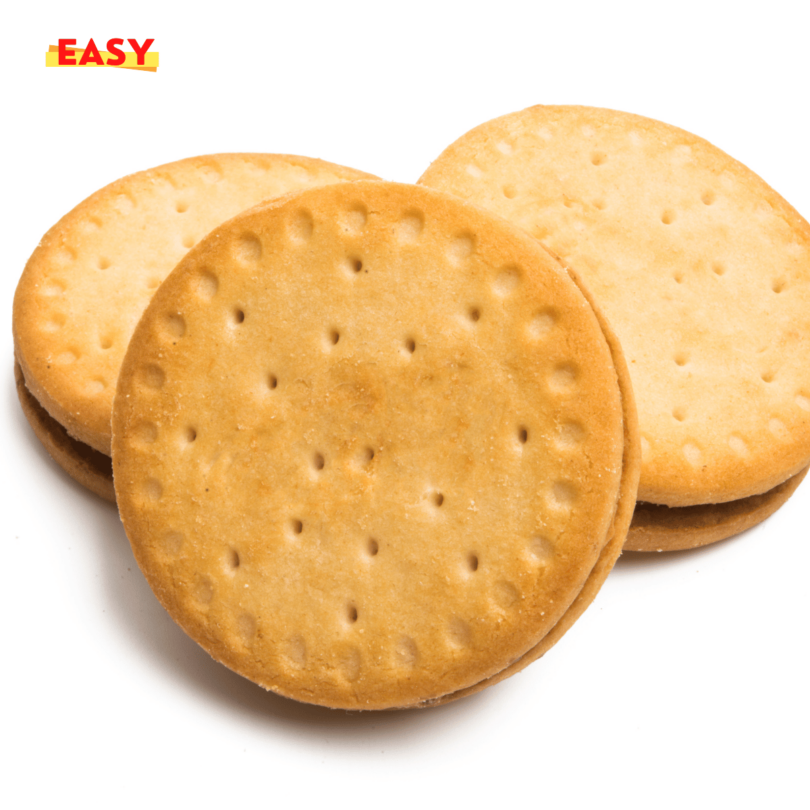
(148, 626)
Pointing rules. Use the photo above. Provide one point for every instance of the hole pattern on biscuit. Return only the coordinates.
(152, 489)
(372, 547)
(563, 495)
(437, 499)
(523, 435)
(679, 414)
(153, 282)
(365, 457)
(204, 590)
(767, 376)
(301, 227)
(106, 343)
(668, 217)
(272, 382)
(318, 462)
(459, 633)
(175, 325)
(474, 314)
(505, 594)
(406, 651)
(718, 268)
(599, 204)
(542, 324)
(332, 338)
(53, 287)
(472, 562)
(188, 241)
(678, 277)
(296, 652)
(461, 248)
(95, 387)
(64, 255)
(410, 345)
(54, 323)
(350, 663)
(569, 435)
(510, 192)
(207, 285)
(738, 445)
(598, 158)
(354, 266)
(146, 432)
(355, 218)
(232, 560)
(246, 626)
(778, 285)
(172, 543)
(351, 613)
(541, 548)
(681, 359)
(563, 378)
(66, 358)
(411, 225)
(506, 281)
(153, 377)
(238, 316)
(104, 263)
(693, 454)
(123, 204)
(181, 207)
(708, 197)
(296, 527)
(248, 248)
(190, 435)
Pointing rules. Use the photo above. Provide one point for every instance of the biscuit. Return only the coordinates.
(370, 446)
(92, 275)
(664, 528)
(87, 466)
(700, 267)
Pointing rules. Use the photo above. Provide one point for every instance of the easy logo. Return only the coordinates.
(66, 54)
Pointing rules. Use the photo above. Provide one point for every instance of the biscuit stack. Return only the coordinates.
(375, 446)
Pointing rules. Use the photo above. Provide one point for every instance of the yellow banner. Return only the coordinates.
(151, 59)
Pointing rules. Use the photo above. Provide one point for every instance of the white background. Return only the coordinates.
(684, 685)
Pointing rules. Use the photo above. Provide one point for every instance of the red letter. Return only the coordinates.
(91, 55)
(66, 57)
(141, 49)
(112, 47)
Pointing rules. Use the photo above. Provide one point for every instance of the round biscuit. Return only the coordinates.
(92, 275)
(665, 528)
(90, 468)
(702, 269)
(369, 444)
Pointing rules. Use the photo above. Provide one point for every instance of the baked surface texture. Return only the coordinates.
(631, 470)
(701, 268)
(89, 280)
(369, 444)
(87, 466)
(664, 528)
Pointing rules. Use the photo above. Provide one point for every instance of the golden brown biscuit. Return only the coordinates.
(700, 267)
(631, 470)
(664, 528)
(92, 275)
(87, 466)
(369, 445)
